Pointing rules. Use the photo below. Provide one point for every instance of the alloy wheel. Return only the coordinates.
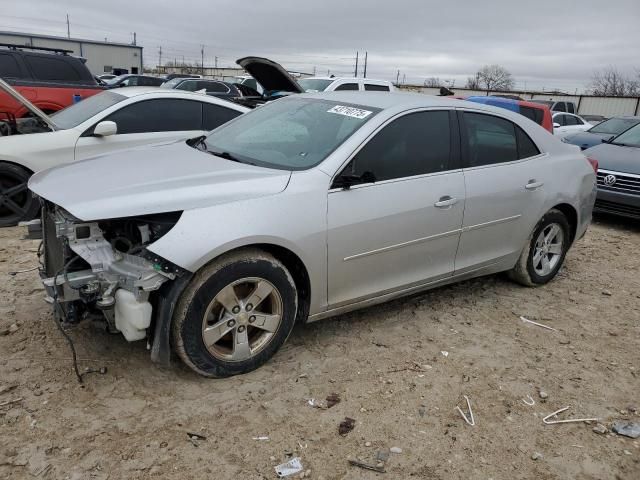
(15, 200)
(241, 319)
(548, 249)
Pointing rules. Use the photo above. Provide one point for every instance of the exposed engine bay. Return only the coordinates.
(10, 125)
(103, 269)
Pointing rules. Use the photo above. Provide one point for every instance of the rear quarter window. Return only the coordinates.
(52, 68)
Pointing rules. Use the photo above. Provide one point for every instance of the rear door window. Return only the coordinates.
(571, 107)
(347, 86)
(489, 139)
(9, 67)
(215, 115)
(52, 68)
(560, 107)
(570, 120)
(534, 114)
(158, 115)
(560, 120)
(376, 88)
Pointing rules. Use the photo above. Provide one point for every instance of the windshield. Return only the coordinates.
(629, 138)
(614, 126)
(173, 82)
(115, 80)
(77, 113)
(290, 133)
(314, 84)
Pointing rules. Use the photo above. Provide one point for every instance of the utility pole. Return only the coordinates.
(216, 62)
(68, 27)
(404, 78)
(160, 56)
(134, 39)
(314, 70)
(202, 58)
(397, 78)
(355, 74)
(366, 55)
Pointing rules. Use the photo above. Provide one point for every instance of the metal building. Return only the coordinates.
(102, 57)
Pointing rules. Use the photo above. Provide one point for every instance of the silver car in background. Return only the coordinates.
(305, 208)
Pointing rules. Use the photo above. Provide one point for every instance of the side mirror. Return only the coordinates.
(105, 129)
(556, 125)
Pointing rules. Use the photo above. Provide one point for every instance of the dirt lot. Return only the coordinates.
(388, 364)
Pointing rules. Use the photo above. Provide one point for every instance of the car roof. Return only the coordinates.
(396, 100)
(345, 78)
(130, 92)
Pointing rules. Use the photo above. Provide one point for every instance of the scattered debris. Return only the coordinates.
(537, 324)
(570, 420)
(9, 402)
(536, 456)
(314, 403)
(529, 401)
(261, 438)
(601, 429)
(607, 293)
(543, 395)
(396, 450)
(194, 437)
(367, 444)
(444, 353)
(8, 388)
(366, 466)
(13, 328)
(333, 400)
(346, 426)
(382, 455)
(470, 420)
(292, 467)
(626, 428)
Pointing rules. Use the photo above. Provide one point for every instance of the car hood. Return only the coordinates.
(616, 158)
(586, 139)
(270, 74)
(156, 179)
(4, 86)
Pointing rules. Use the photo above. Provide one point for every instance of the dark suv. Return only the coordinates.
(50, 78)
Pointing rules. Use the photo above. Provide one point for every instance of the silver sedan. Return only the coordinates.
(306, 208)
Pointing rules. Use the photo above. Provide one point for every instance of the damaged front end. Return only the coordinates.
(102, 268)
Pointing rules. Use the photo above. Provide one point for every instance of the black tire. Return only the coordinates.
(188, 321)
(524, 271)
(17, 203)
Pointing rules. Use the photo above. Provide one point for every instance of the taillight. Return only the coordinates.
(594, 164)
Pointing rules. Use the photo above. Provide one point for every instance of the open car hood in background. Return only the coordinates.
(270, 74)
(4, 86)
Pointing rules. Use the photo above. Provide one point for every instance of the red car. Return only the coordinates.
(51, 80)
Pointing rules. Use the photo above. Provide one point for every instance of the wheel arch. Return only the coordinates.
(19, 165)
(572, 217)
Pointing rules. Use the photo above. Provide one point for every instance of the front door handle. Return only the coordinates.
(445, 202)
(533, 185)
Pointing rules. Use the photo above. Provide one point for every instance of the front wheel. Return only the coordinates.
(235, 314)
(544, 254)
(17, 203)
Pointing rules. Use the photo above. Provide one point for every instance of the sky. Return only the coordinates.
(548, 45)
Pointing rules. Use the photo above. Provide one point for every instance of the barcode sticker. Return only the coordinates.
(350, 112)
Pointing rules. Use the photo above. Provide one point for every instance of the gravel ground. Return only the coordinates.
(399, 369)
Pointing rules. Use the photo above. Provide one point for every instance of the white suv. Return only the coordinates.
(330, 84)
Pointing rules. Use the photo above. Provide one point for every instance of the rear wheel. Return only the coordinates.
(236, 313)
(17, 203)
(544, 255)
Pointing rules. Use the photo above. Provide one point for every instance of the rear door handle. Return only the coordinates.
(533, 185)
(445, 202)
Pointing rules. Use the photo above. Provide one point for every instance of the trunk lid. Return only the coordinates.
(27, 104)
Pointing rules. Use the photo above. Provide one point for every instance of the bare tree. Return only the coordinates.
(610, 82)
(433, 82)
(494, 77)
(473, 82)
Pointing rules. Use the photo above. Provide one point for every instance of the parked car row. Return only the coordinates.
(226, 225)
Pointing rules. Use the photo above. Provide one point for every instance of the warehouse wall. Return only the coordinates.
(587, 104)
(98, 55)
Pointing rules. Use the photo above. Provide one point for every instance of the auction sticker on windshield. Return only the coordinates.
(350, 112)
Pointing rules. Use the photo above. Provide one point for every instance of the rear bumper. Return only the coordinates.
(617, 203)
